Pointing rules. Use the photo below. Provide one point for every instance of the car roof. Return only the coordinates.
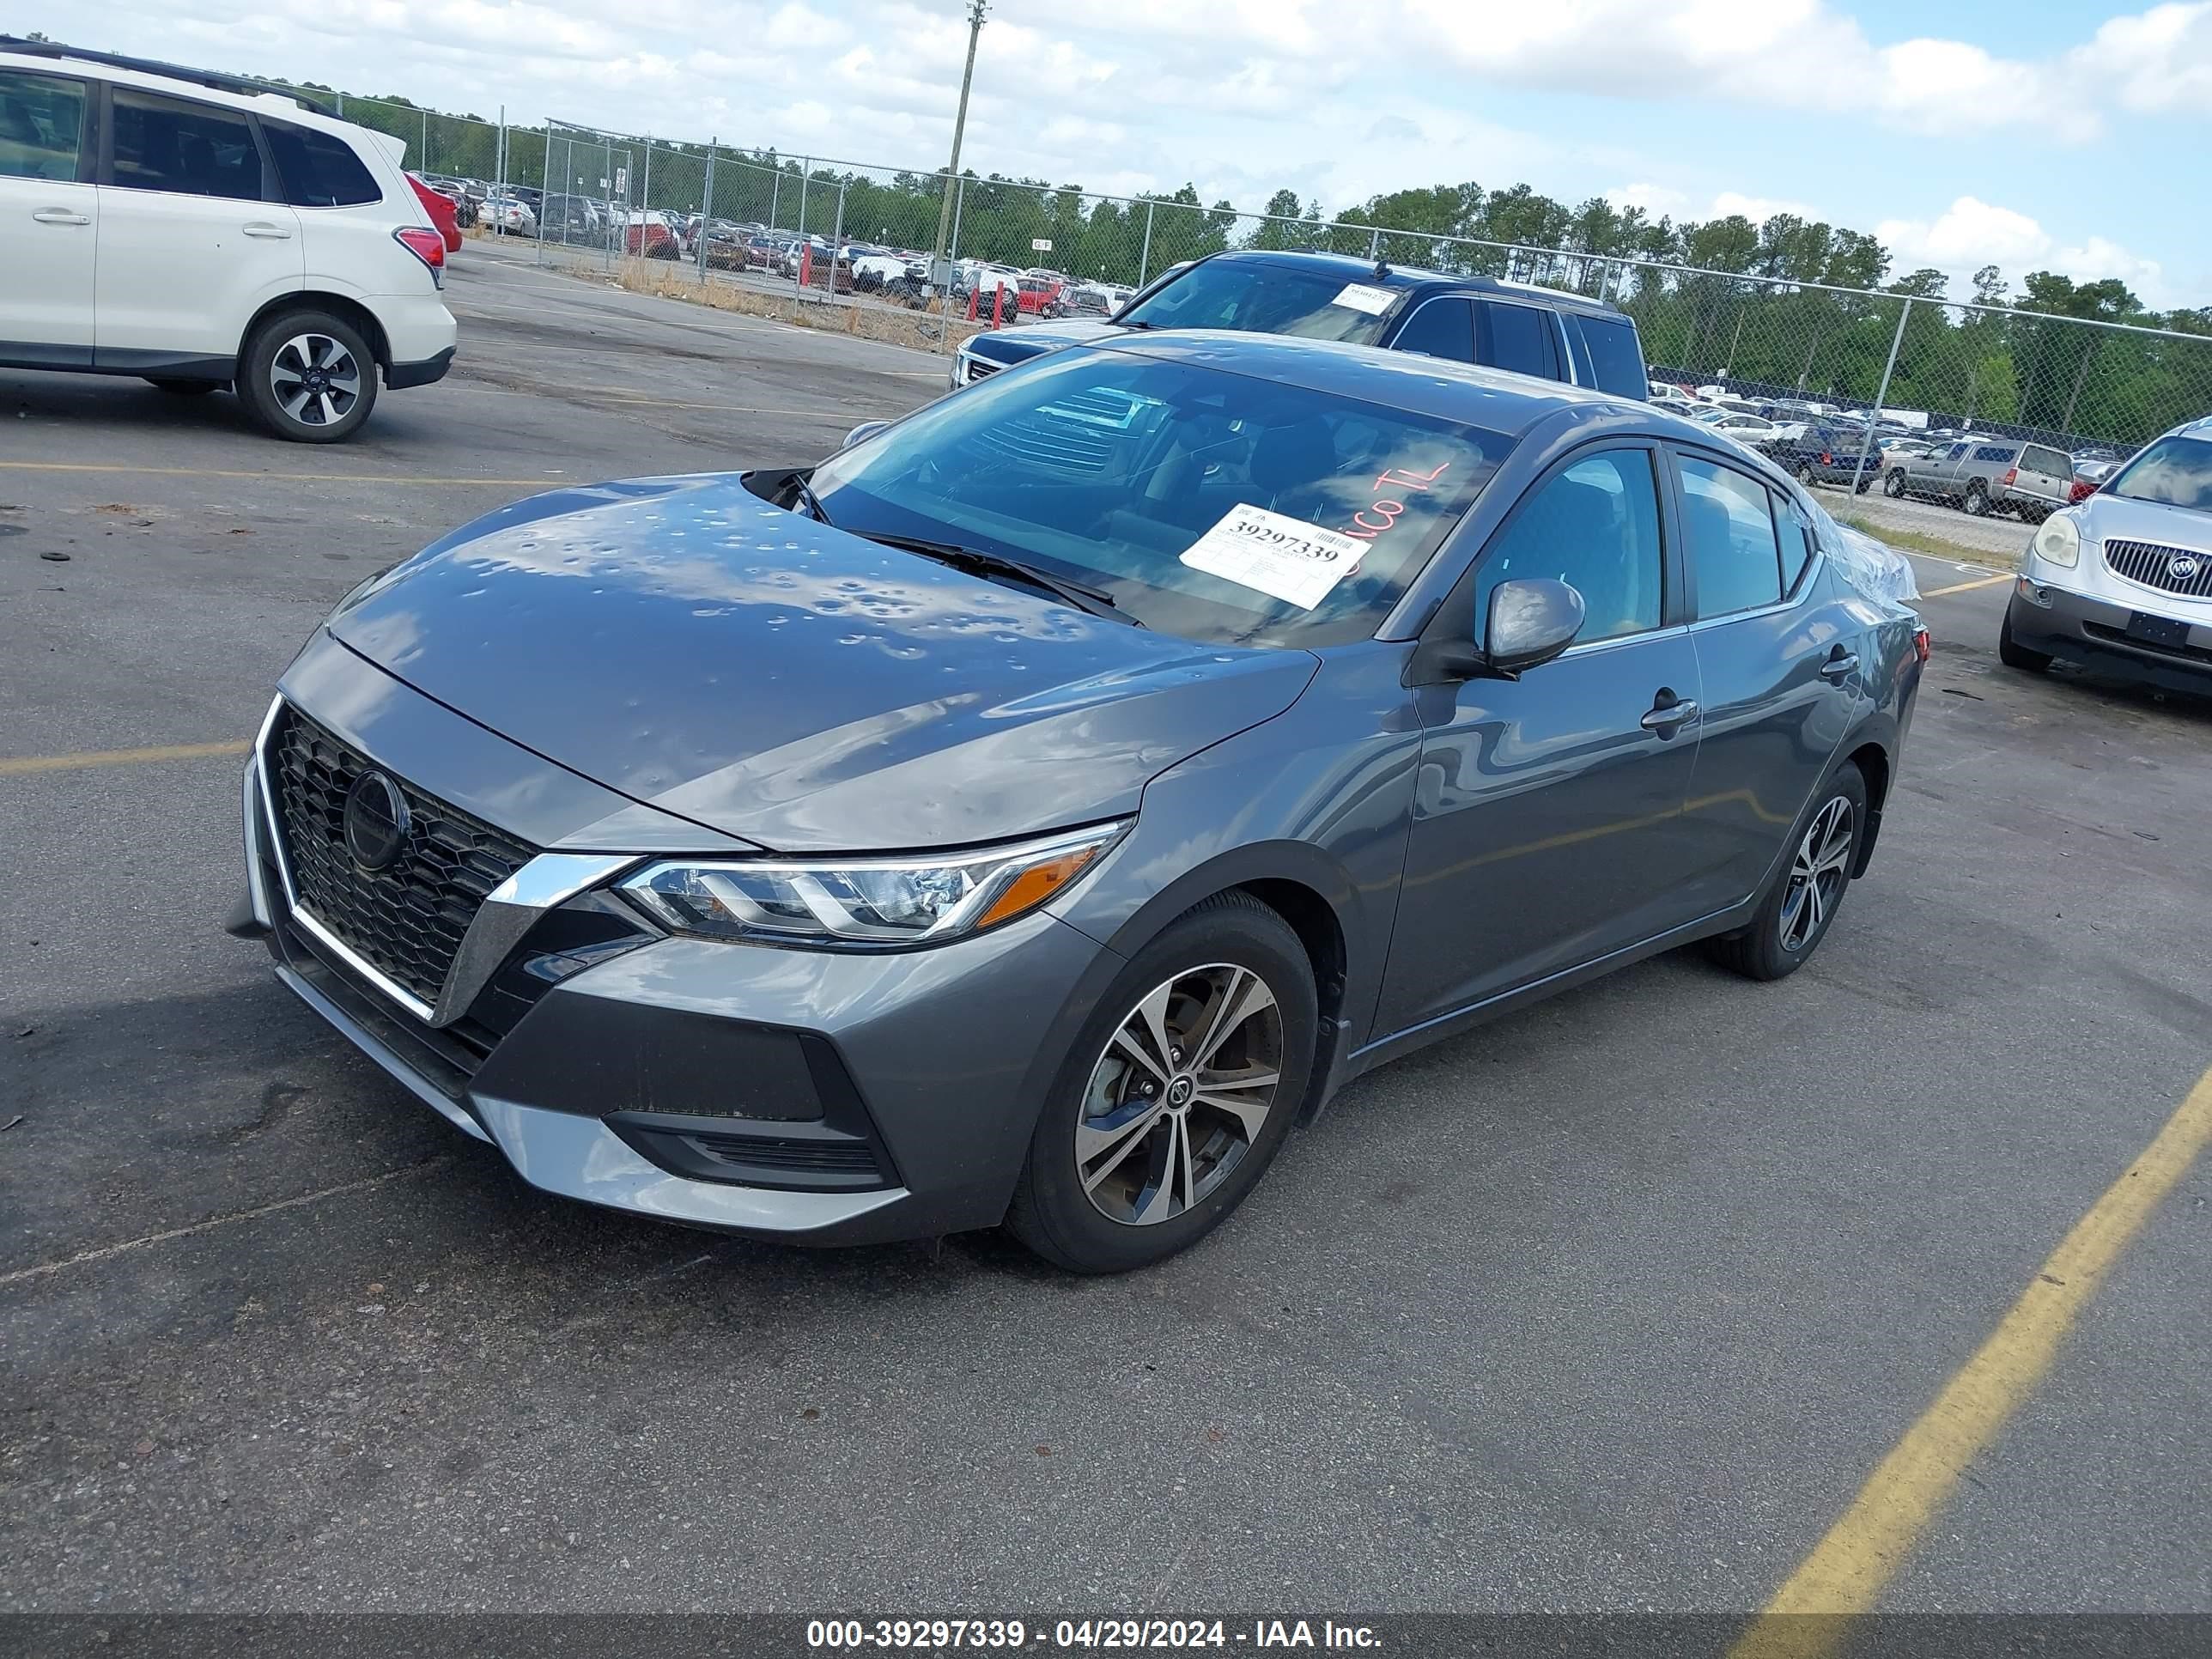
(175, 81)
(1412, 277)
(1466, 393)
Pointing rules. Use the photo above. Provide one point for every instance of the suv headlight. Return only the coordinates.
(876, 902)
(2057, 540)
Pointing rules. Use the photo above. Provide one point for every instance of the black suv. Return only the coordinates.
(1546, 332)
(1828, 452)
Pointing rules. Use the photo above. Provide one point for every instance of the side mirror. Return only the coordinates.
(1531, 621)
(861, 433)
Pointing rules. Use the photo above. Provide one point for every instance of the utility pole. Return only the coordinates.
(976, 9)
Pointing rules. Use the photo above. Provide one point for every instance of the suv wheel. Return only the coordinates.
(2013, 655)
(309, 377)
(1893, 485)
(1176, 1094)
(1805, 474)
(1801, 906)
(1977, 500)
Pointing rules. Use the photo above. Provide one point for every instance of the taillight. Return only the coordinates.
(2012, 476)
(1920, 644)
(1826, 459)
(427, 245)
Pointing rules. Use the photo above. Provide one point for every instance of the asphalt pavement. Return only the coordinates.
(1613, 1304)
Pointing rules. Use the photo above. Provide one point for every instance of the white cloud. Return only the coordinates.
(1972, 233)
(2158, 61)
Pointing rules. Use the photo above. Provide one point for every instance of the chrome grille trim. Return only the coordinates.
(2150, 564)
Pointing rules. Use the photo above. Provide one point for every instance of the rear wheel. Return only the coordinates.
(309, 377)
(1799, 908)
(2015, 655)
(1175, 1095)
(1893, 485)
(1805, 474)
(1977, 500)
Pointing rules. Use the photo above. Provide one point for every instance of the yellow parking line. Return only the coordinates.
(23, 764)
(1960, 588)
(267, 477)
(1846, 1571)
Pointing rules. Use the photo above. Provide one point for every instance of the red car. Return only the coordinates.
(444, 211)
(1041, 296)
(651, 236)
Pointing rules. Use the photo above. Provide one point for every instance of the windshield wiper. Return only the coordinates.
(981, 562)
(808, 499)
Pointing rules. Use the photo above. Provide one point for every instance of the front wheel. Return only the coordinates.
(1175, 1095)
(1799, 908)
(2013, 655)
(309, 377)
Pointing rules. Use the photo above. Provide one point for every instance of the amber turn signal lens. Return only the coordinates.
(1036, 885)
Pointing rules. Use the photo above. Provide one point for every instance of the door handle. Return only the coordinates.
(268, 231)
(1668, 714)
(61, 216)
(1840, 665)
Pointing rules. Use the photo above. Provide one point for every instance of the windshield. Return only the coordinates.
(1265, 297)
(2172, 471)
(1207, 504)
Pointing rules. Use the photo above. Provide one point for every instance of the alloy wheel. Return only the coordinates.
(316, 379)
(1180, 1094)
(1817, 874)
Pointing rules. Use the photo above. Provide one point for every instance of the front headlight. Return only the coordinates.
(2058, 541)
(876, 902)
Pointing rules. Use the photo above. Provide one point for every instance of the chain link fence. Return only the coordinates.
(774, 225)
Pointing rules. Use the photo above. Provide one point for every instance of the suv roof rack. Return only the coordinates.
(211, 78)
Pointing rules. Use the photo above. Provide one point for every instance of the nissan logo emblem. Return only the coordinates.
(2184, 568)
(376, 821)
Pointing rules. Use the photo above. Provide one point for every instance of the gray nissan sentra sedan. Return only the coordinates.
(1034, 811)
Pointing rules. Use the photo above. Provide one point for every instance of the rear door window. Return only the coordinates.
(1440, 328)
(1520, 338)
(1728, 532)
(1994, 453)
(1616, 354)
(2049, 462)
(41, 125)
(184, 148)
(317, 169)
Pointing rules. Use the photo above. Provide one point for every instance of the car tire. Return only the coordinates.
(184, 388)
(1781, 937)
(1893, 485)
(281, 354)
(1977, 502)
(1805, 474)
(2013, 655)
(1162, 1174)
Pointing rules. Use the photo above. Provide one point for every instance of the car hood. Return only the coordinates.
(1031, 340)
(684, 643)
(2107, 517)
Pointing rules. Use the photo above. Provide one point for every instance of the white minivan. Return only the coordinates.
(200, 236)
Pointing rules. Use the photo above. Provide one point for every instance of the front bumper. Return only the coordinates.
(2092, 633)
(813, 1096)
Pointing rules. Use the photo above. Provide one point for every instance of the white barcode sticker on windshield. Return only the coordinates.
(1285, 558)
(1361, 296)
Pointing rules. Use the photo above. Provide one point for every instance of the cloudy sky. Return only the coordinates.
(2034, 134)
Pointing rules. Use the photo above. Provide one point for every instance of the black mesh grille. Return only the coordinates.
(799, 1157)
(2155, 566)
(408, 920)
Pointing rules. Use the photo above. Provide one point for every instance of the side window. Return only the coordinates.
(1728, 533)
(1956, 451)
(41, 125)
(184, 148)
(1520, 338)
(1617, 354)
(1594, 526)
(1796, 541)
(317, 169)
(1994, 453)
(1440, 328)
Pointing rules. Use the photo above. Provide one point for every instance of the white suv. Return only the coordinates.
(199, 236)
(2122, 581)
